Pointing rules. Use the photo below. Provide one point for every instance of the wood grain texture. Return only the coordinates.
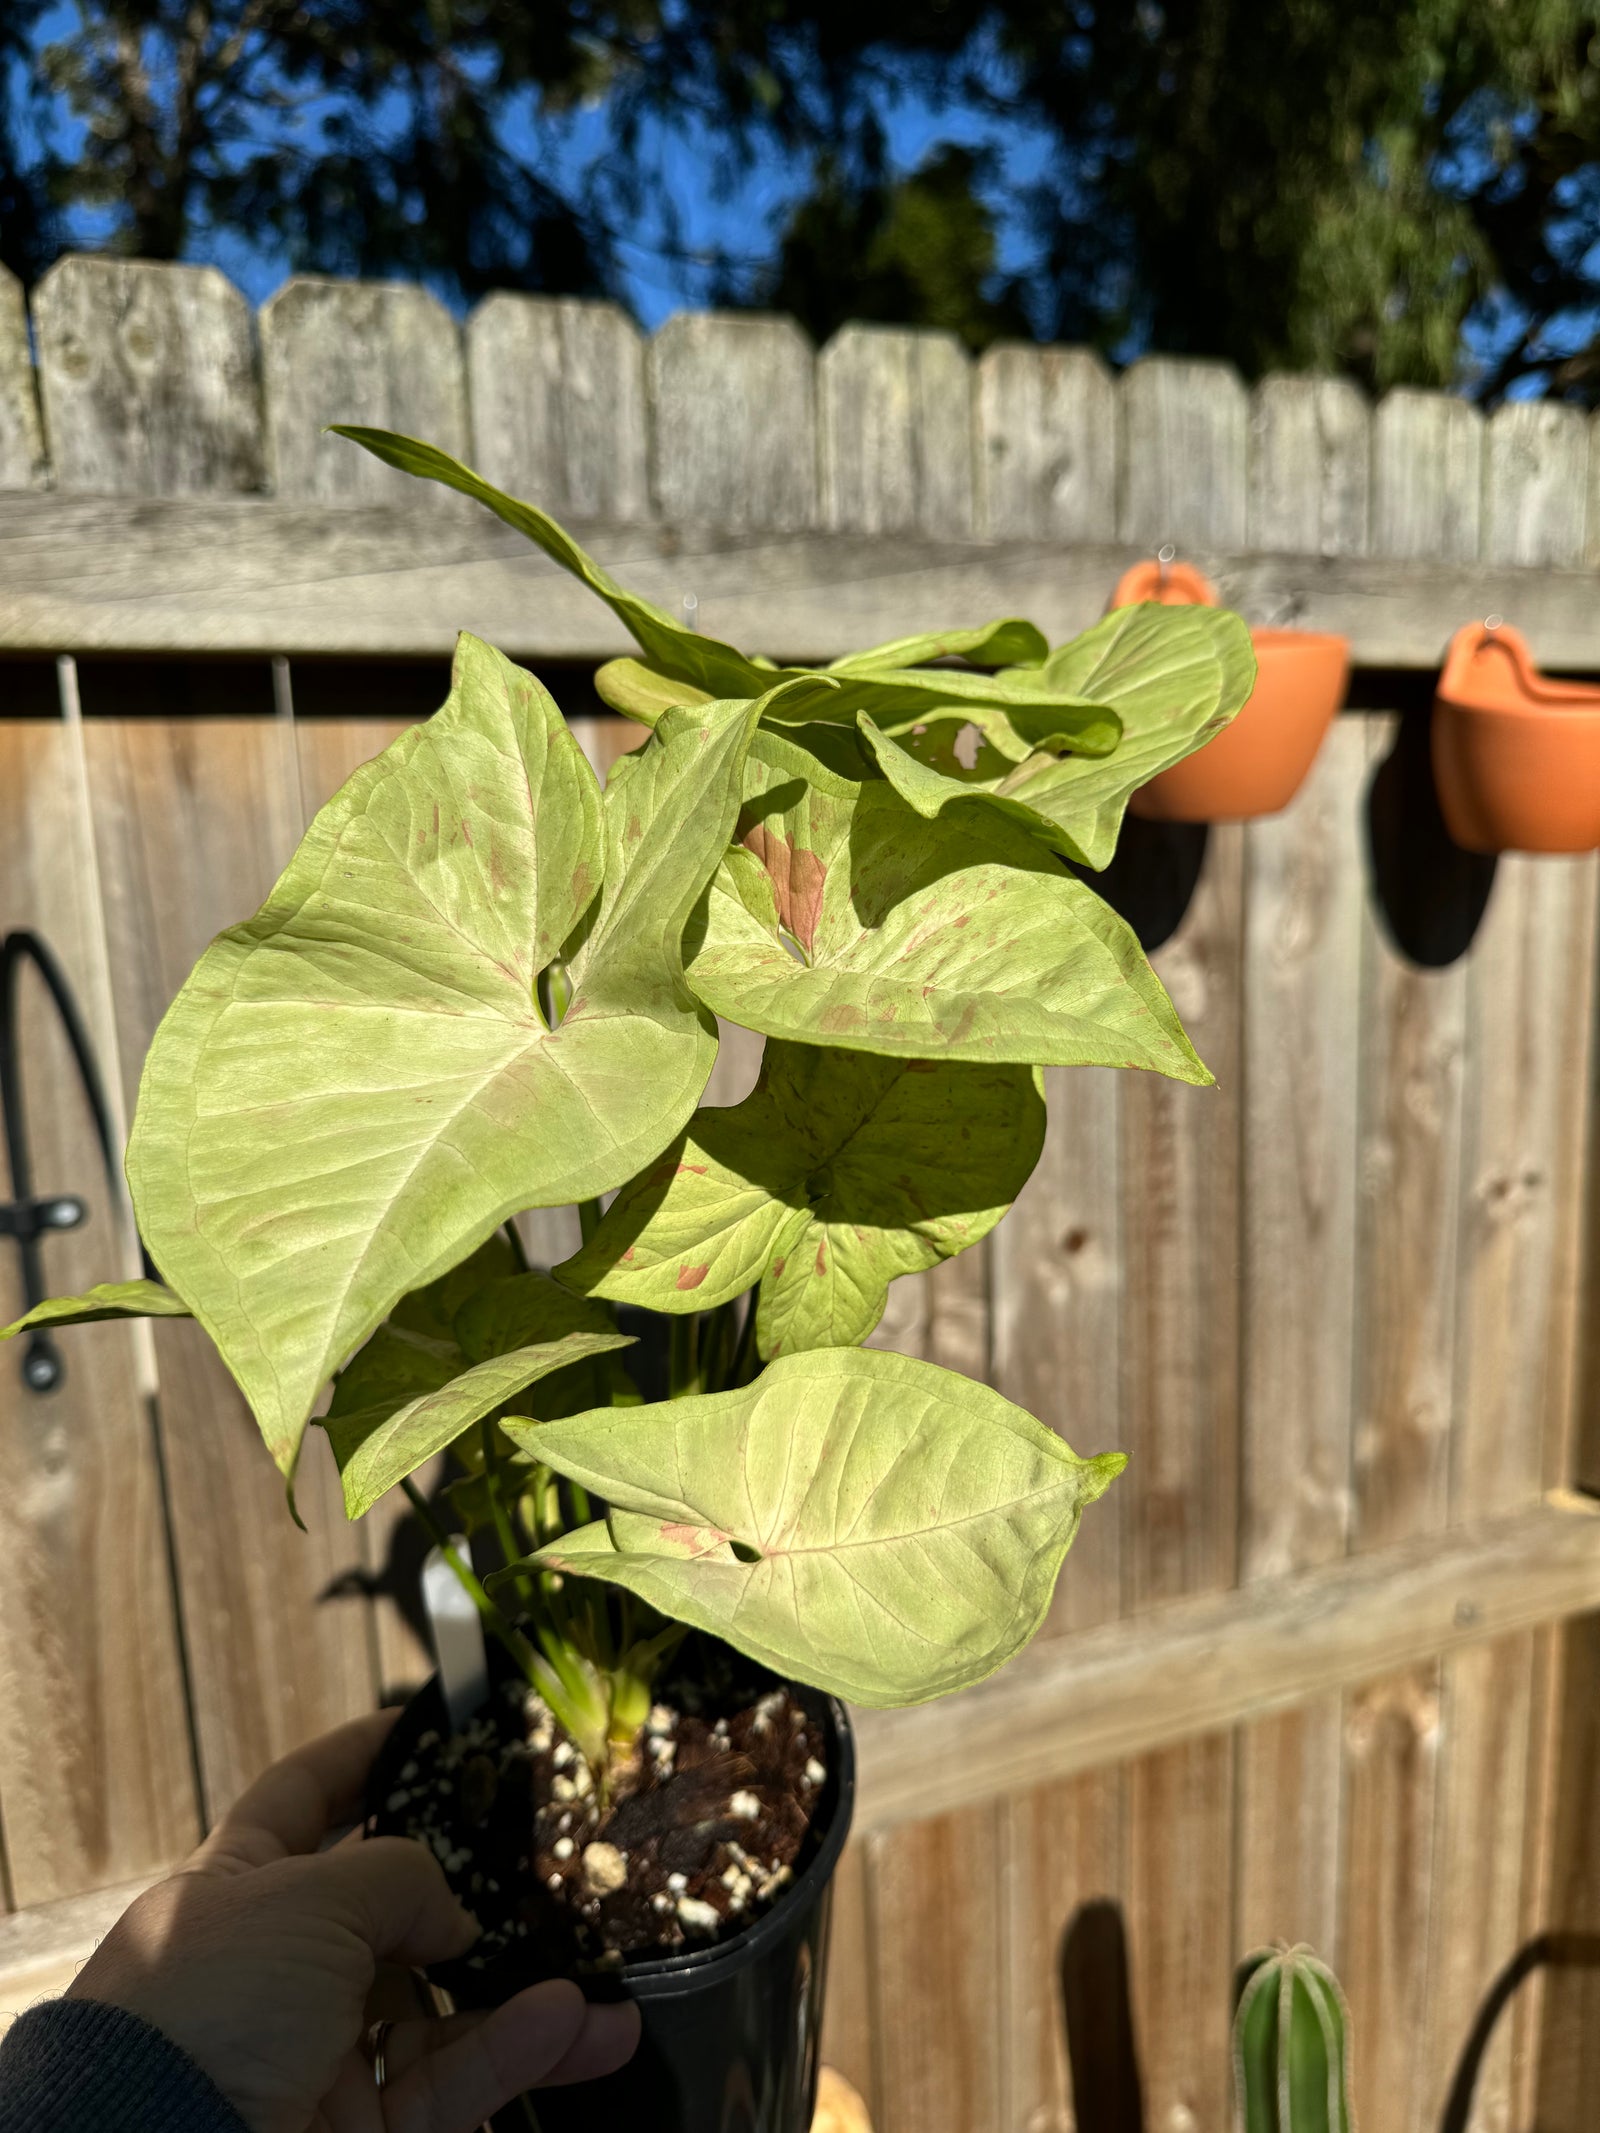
(1530, 1011)
(1427, 477)
(849, 2025)
(938, 1962)
(1184, 480)
(96, 1780)
(1058, 1288)
(147, 378)
(1310, 467)
(557, 397)
(193, 821)
(733, 425)
(263, 577)
(22, 460)
(1426, 498)
(371, 352)
(1302, 969)
(1148, 1681)
(1046, 445)
(1568, 2077)
(895, 424)
(1184, 430)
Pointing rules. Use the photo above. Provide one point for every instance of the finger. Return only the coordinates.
(291, 1807)
(353, 2104)
(609, 2038)
(392, 1895)
(477, 2069)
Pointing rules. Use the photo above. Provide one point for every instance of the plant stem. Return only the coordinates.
(502, 1522)
(588, 1218)
(741, 1353)
(680, 1357)
(515, 1643)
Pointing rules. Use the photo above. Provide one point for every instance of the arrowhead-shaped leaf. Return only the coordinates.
(848, 920)
(378, 1446)
(1175, 675)
(859, 1520)
(355, 1088)
(110, 1299)
(839, 1172)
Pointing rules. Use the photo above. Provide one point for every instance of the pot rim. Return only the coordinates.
(681, 1972)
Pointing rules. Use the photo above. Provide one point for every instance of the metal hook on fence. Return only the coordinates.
(1166, 555)
(29, 1217)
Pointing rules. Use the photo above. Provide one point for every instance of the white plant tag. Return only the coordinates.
(458, 1646)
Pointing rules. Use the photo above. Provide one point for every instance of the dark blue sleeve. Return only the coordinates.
(75, 2066)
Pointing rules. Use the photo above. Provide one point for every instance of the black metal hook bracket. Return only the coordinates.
(29, 1217)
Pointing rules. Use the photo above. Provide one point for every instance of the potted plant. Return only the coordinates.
(483, 985)
(1516, 757)
(1263, 758)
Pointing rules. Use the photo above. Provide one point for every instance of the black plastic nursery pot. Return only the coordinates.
(729, 2032)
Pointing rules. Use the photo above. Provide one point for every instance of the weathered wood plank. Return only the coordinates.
(1569, 2037)
(733, 423)
(1184, 479)
(1046, 462)
(372, 352)
(266, 577)
(1426, 500)
(43, 1949)
(193, 821)
(22, 460)
(1302, 973)
(1310, 467)
(1309, 489)
(1184, 445)
(1427, 478)
(147, 378)
(937, 1962)
(1193, 1666)
(96, 1777)
(558, 405)
(849, 2023)
(895, 425)
(1530, 1013)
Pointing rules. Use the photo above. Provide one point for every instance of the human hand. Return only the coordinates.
(257, 1956)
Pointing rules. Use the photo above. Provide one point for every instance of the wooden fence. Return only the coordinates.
(1324, 1664)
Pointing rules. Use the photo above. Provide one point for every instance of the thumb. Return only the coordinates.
(391, 1894)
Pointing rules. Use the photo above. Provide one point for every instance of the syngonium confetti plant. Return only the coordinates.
(484, 985)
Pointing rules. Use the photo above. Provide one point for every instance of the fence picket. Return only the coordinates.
(96, 1778)
(1184, 444)
(372, 352)
(733, 425)
(895, 421)
(1302, 962)
(558, 405)
(22, 460)
(1046, 456)
(1427, 477)
(147, 379)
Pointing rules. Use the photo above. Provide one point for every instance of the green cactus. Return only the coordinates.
(1291, 2046)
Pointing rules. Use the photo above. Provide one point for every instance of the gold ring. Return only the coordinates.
(377, 2037)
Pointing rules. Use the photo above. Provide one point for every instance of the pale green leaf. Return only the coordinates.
(955, 937)
(110, 1299)
(1012, 642)
(839, 1172)
(641, 691)
(717, 669)
(1174, 675)
(353, 1090)
(521, 1311)
(854, 1519)
(376, 1447)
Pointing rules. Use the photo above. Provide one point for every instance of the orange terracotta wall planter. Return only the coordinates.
(1516, 758)
(1256, 765)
